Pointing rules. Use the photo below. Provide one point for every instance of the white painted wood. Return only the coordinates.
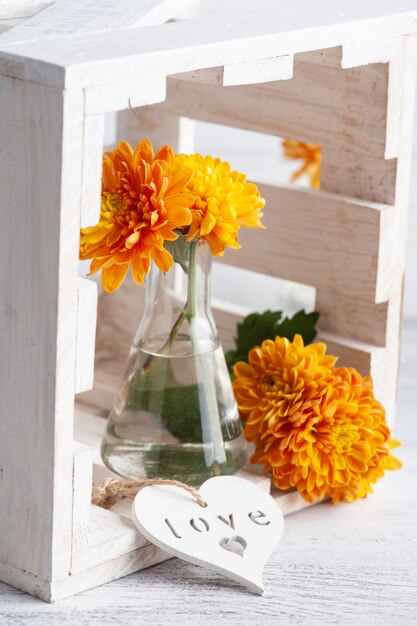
(159, 126)
(81, 497)
(234, 534)
(371, 51)
(86, 334)
(10, 9)
(123, 565)
(92, 156)
(124, 95)
(355, 53)
(98, 59)
(244, 73)
(72, 17)
(40, 179)
(110, 536)
(6, 25)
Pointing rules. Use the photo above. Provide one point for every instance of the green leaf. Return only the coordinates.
(257, 327)
(301, 323)
(177, 406)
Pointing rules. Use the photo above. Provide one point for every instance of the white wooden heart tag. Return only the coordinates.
(233, 535)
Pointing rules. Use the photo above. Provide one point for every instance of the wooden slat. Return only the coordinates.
(105, 571)
(86, 333)
(40, 179)
(111, 536)
(355, 53)
(159, 126)
(150, 90)
(244, 73)
(92, 156)
(358, 175)
(81, 502)
(345, 169)
(352, 317)
(98, 58)
(347, 110)
(321, 239)
(351, 353)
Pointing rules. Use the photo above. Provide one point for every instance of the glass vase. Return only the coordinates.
(174, 415)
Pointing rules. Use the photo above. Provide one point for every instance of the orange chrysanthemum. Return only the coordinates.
(224, 202)
(316, 427)
(310, 154)
(143, 200)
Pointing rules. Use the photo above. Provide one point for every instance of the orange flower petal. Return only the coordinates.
(162, 258)
(113, 276)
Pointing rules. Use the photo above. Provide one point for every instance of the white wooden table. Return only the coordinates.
(351, 564)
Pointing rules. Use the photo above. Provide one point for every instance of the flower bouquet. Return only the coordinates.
(165, 215)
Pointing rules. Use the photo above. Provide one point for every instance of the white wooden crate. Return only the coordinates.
(338, 73)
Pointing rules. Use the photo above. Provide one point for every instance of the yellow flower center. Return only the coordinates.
(341, 437)
(111, 203)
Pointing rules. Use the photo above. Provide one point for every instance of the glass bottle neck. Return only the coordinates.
(181, 297)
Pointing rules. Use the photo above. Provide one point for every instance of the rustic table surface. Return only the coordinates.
(354, 563)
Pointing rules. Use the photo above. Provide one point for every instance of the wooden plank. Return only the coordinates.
(41, 135)
(25, 581)
(352, 317)
(92, 157)
(358, 175)
(297, 108)
(159, 126)
(351, 353)
(118, 567)
(86, 334)
(102, 58)
(355, 53)
(81, 501)
(124, 95)
(111, 536)
(243, 73)
(342, 249)
(88, 430)
(74, 17)
(123, 565)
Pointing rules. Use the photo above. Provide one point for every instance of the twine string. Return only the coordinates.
(107, 492)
